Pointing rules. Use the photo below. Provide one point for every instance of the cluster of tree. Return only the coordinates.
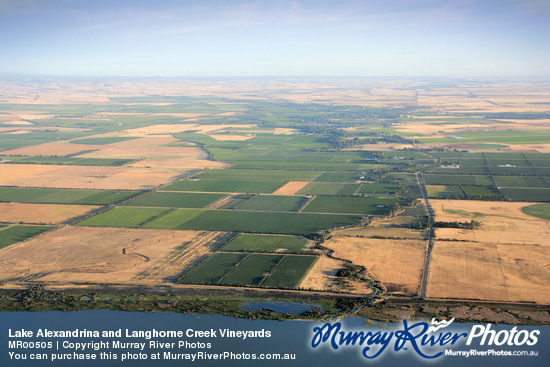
(462, 225)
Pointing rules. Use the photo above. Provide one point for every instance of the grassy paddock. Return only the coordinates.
(123, 217)
(64, 196)
(11, 235)
(290, 272)
(537, 210)
(213, 269)
(226, 186)
(266, 243)
(175, 200)
(253, 270)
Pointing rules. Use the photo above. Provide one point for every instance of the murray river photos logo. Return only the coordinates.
(427, 340)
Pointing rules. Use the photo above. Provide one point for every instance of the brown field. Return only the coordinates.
(501, 222)
(455, 234)
(489, 271)
(290, 188)
(177, 165)
(228, 137)
(425, 126)
(322, 275)
(15, 132)
(369, 231)
(14, 172)
(105, 255)
(177, 128)
(159, 165)
(51, 149)
(159, 129)
(42, 213)
(540, 148)
(92, 177)
(398, 264)
(148, 147)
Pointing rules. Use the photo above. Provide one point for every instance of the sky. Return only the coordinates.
(276, 37)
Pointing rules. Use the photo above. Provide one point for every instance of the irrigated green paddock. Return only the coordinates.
(123, 217)
(15, 234)
(290, 272)
(213, 269)
(274, 203)
(175, 200)
(64, 196)
(225, 186)
(248, 221)
(353, 205)
(253, 270)
(246, 242)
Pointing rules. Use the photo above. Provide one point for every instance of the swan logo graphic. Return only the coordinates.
(436, 325)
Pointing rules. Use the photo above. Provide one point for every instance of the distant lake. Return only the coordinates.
(292, 337)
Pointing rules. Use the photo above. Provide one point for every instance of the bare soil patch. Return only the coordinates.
(42, 213)
(290, 188)
(398, 264)
(104, 255)
(323, 275)
(228, 137)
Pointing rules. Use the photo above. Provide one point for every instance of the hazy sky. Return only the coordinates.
(277, 37)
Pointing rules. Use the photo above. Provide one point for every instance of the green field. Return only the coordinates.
(538, 210)
(481, 192)
(337, 177)
(257, 175)
(213, 269)
(247, 221)
(123, 217)
(175, 200)
(237, 201)
(174, 218)
(526, 194)
(274, 203)
(64, 196)
(372, 188)
(298, 166)
(452, 179)
(266, 243)
(290, 272)
(225, 186)
(353, 205)
(326, 188)
(443, 192)
(287, 155)
(15, 234)
(253, 270)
